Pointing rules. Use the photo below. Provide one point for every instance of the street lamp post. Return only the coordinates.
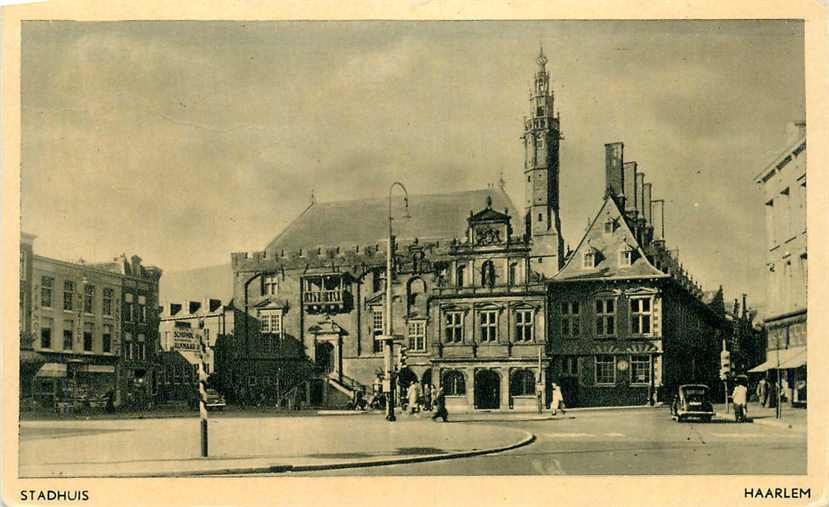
(388, 347)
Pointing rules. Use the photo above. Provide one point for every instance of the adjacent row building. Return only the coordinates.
(783, 183)
(88, 331)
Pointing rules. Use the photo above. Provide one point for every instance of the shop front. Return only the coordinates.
(75, 383)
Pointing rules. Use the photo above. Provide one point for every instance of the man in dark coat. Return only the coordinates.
(441, 411)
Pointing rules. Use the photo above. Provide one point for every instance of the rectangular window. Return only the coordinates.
(605, 317)
(570, 326)
(141, 309)
(107, 306)
(513, 273)
(88, 298)
(489, 326)
(276, 324)
(460, 275)
(589, 260)
(127, 310)
(141, 353)
(128, 350)
(106, 339)
(626, 258)
(87, 337)
(46, 334)
(640, 315)
(68, 335)
(523, 325)
(608, 227)
(640, 369)
(270, 285)
(454, 327)
(417, 335)
(570, 366)
(605, 370)
(377, 327)
(68, 294)
(47, 283)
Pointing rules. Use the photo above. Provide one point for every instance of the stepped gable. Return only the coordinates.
(365, 222)
(606, 247)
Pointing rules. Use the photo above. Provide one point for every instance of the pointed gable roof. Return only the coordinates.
(607, 246)
(365, 221)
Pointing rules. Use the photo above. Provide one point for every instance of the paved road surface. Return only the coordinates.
(627, 442)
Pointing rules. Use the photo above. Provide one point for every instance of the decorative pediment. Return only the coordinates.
(642, 291)
(327, 326)
(271, 303)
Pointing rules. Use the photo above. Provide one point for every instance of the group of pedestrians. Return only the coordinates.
(433, 397)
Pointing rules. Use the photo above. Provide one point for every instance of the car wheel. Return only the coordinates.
(706, 419)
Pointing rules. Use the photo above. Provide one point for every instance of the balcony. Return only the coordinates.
(325, 294)
(487, 291)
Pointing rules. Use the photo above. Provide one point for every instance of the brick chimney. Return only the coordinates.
(647, 193)
(658, 212)
(614, 159)
(629, 179)
(647, 190)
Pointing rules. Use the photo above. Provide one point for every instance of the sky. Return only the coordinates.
(185, 141)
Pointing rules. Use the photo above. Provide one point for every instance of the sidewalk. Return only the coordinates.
(170, 447)
(793, 418)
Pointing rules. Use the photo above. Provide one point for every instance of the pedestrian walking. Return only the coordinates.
(558, 400)
(413, 398)
(763, 392)
(739, 397)
(440, 402)
(427, 397)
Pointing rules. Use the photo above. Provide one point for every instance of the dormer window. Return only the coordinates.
(626, 257)
(589, 260)
(609, 226)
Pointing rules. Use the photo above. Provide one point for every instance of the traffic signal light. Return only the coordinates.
(402, 359)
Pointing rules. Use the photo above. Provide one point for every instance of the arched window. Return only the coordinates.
(522, 383)
(488, 274)
(454, 383)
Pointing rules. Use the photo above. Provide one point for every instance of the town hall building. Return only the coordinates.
(478, 291)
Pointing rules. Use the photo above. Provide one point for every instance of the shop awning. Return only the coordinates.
(97, 368)
(794, 357)
(52, 370)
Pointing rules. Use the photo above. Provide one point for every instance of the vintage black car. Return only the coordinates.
(692, 400)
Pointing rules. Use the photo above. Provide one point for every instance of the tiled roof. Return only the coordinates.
(364, 222)
(608, 246)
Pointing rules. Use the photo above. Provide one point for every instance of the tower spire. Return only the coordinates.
(541, 60)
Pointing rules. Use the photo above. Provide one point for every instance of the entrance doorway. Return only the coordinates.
(487, 389)
(325, 357)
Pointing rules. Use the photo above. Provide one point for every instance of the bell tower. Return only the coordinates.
(541, 170)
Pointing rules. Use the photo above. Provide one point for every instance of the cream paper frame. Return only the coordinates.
(726, 490)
